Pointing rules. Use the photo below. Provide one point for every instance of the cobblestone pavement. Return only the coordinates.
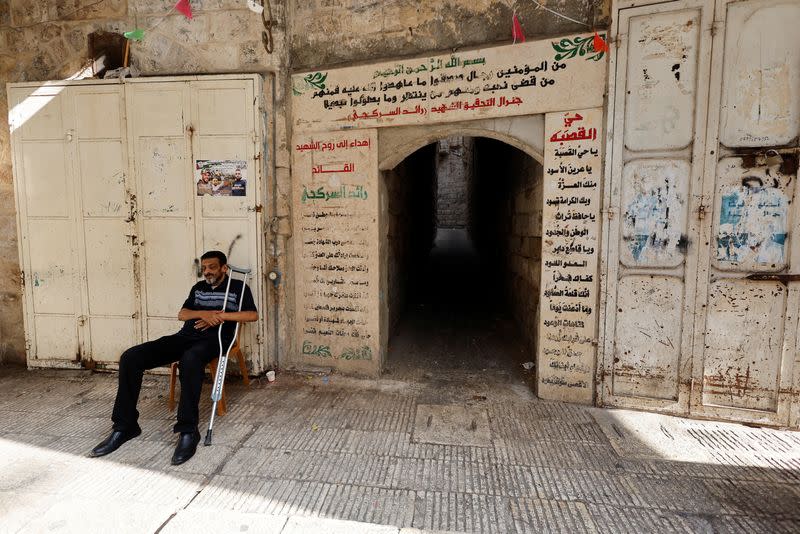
(455, 452)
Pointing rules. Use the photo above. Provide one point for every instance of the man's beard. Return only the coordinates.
(212, 280)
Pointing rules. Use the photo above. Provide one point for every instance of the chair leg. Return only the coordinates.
(173, 375)
(242, 364)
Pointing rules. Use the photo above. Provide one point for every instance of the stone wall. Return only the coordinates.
(411, 225)
(506, 224)
(48, 40)
(453, 173)
(525, 244)
(330, 32)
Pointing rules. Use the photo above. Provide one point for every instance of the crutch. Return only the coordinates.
(219, 380)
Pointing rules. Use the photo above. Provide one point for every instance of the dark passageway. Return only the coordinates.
(457, 294)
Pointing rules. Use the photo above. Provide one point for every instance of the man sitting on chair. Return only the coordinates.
(193, 347)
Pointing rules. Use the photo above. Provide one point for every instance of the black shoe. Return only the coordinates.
(187, 445)
(113, 442)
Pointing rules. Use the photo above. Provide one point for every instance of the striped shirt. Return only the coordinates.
(204, 297)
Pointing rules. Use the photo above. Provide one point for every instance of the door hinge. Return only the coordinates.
(701, 212)
(257, 157)
(258, 208)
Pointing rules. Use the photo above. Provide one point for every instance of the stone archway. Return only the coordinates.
(466, 297)
(352, 123)
(525, 133)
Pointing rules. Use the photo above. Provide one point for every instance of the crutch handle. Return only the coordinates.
(238, 269)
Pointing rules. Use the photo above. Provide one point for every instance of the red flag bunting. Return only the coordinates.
(516, 30)
(599, 44)
(184, 7)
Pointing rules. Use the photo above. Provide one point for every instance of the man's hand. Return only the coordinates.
(208, 319)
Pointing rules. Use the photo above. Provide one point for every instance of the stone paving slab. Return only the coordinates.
(216, 522)
(344, 455)
(87, 515)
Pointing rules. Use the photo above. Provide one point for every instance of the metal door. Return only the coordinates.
(174, 125)
(654, 171)
(224, 128)
(748, 296)
(158, 126)
(42, 130)
(73, 207)
(105, 228)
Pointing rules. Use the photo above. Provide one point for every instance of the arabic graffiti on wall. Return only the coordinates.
(654, 217)
(522, 79)
(571, 213)
(337, 246)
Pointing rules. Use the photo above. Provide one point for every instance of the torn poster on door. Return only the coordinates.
(221, 178)
(752, 224)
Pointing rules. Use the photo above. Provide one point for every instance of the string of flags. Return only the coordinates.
(516, 29)
(182, 6)
(599, 44)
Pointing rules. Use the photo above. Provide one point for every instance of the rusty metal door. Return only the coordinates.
(105, 236)
(73, 203)
(225, 127)
(654, 175)
(745, 340)
(42, 131)
(173, 126)
(159, 139)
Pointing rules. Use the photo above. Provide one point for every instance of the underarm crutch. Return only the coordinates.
(222, 364)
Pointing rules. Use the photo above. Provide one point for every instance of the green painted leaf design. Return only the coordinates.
(579, 47)
(315, 80)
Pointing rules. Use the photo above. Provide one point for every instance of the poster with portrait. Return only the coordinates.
(221, 178)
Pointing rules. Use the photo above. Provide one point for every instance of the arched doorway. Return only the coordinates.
(464, 258)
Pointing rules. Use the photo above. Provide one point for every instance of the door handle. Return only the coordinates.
(783, 278)
(198, 270)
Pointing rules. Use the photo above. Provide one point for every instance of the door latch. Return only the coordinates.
(783, 278)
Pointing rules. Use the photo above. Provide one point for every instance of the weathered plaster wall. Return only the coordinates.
(329, 32)
(48, 40)
(453, 172)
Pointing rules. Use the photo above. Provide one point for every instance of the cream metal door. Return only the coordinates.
(745, 343)
(110, 243)
(73, 212)
(173, 125)
(158, 134)
(651, 237)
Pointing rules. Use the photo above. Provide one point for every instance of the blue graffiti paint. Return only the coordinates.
(752, 225)
(652, 233)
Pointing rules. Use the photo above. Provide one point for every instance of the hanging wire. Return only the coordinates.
(268, 22)
(557, 14)
(61, 18)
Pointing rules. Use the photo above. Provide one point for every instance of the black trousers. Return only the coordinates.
(192, 356)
